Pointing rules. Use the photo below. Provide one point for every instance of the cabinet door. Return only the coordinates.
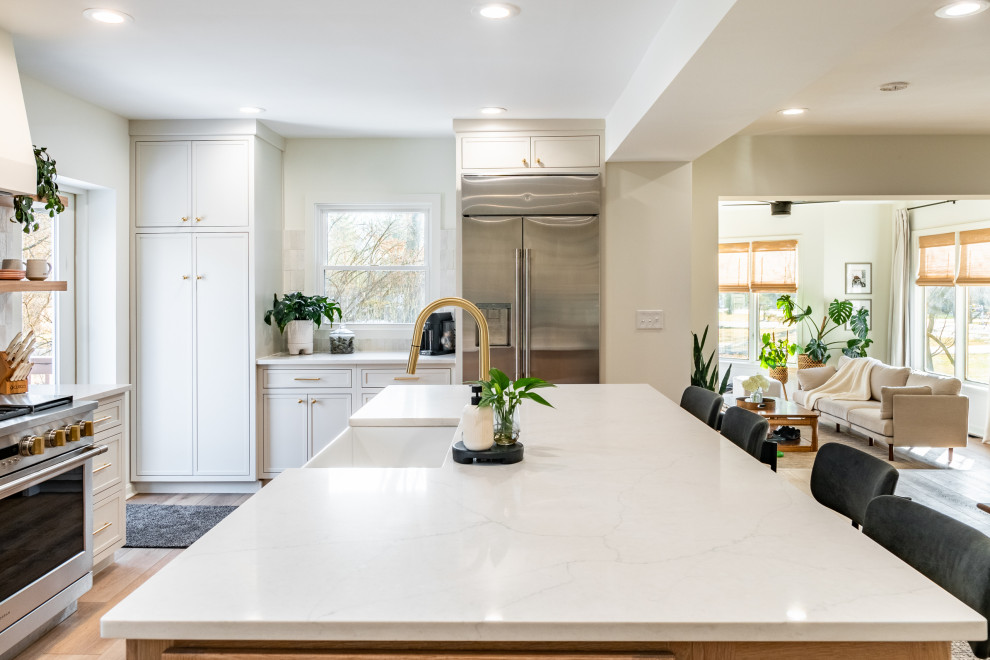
(286, 442)
(223, 359)
(164, 283)
(221, 178)
(328, 415)
(161, 184)
(494, 153)
(573, 151)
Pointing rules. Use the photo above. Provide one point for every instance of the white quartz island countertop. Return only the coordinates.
(627, 520)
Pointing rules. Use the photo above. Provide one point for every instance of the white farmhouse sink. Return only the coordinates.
(386, 447)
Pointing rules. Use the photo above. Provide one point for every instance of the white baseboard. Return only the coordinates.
(197, 486)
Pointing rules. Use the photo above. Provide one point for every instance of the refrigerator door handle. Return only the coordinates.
(527, 285)
(516, 337)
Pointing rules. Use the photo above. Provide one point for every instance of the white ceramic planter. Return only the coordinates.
(300, 336)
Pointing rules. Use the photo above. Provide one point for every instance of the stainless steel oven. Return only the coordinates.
(46, 527)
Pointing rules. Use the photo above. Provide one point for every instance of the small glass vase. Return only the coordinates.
(506, 427)
(757, 396)
(341, 340)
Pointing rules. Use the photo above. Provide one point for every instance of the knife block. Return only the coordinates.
(8, 386)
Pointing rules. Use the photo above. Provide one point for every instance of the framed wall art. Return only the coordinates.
(859, 278)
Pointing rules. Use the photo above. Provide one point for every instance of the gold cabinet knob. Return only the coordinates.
(185, 277)
(56, 438)
(302, 400)
(539, 162)
(199, 277)
(89, 429)
(184, 219)
(525, 163)
(199, 219)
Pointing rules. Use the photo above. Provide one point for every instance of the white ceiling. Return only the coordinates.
(336, 68)
(947, 63)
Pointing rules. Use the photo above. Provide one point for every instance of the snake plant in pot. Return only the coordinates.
(702, 374)
(818, 350)
(300, 313)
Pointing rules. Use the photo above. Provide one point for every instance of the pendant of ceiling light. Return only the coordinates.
(962, 9)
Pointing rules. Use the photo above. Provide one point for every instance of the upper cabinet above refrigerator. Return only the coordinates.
(544, 152)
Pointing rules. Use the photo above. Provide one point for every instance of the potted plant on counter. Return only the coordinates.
(774, 354)
(817, 351)
(300, 313)
(504, 396)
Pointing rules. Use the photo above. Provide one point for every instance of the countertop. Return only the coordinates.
(365, 357)
(420, 405)
(628, 520)
(81, 391)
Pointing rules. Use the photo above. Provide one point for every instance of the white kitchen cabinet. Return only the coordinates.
(164, 282)
(198, 298)
(328, 416)
(192, 183)
(552, 152)
(109, 475)
(193, 377)
(286, 430)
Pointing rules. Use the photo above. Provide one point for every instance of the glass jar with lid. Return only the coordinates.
(341, 340)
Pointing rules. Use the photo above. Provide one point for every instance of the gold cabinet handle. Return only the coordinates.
(199, 277)
(406, 378)
(199, 219)
(539, 162)
(302, 401)
(184, 219)
(102, 419)
(313, 402)
(102, 527)
(102, 468)
(525, 163)
(307, 379)
(185, 277)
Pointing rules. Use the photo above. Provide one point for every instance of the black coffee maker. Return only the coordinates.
(439, 337)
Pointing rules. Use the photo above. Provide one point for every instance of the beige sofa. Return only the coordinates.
(908, 408)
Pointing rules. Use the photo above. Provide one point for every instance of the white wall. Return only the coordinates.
(91, 148)
(646, 264)
(364, 170)
(828, 235)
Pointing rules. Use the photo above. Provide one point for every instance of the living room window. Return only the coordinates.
(752, 275)
(956, 304)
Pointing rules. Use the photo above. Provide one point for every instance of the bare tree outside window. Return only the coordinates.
(38, 307)
(376, 263)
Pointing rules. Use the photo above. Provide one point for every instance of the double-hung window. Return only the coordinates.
(751, 276)
(374, 260)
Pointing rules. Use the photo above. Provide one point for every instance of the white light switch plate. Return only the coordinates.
(649, 319)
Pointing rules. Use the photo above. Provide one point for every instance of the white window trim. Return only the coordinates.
(430, 203)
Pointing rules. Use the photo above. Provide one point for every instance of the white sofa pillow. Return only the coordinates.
(810, 379)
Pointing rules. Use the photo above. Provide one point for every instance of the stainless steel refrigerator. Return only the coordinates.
(531, 262)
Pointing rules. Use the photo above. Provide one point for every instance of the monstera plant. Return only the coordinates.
(839, 313)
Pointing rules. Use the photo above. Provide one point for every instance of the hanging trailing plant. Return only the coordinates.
(47, 192)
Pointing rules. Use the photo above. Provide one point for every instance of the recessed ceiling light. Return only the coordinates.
(492, 110)
(497, 10)
(251, 110)
(962, 8)
(107, 16)
(792, 111)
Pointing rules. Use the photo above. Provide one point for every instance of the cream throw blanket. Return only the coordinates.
(850, 383)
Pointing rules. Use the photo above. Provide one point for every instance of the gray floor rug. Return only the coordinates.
(170, 525)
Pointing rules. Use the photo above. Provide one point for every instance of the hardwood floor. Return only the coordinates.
(953, 489)
(78, 637)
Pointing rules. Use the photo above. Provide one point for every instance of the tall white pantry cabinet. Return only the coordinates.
(206, 223)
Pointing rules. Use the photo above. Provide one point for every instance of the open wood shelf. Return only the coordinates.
(6, 286)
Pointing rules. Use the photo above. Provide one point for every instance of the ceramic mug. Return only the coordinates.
(12, 264)
(38, 269)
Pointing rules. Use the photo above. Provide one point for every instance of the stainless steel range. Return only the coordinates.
(46, 508)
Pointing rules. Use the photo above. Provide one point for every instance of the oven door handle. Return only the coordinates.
(51, 471)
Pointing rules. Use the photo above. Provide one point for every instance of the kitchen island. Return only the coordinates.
(630, 528)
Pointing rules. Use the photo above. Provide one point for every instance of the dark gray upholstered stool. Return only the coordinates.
(951, 554)
(846, 479)
(749, 431)
(703, 404)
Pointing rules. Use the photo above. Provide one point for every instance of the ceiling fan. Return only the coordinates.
(780, 207)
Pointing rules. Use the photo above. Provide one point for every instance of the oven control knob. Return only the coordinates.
(89, 429)
(55, 438)
(32, 445)
(73, 432)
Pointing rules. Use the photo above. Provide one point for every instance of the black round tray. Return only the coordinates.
(498, 454)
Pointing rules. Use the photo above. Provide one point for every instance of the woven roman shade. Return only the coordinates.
(733, 267)
(774, 267)
(937, 260)
(974, 257)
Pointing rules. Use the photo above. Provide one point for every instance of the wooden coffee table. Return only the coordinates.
(788, 413)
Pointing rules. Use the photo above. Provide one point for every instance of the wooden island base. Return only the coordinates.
(138, 649)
